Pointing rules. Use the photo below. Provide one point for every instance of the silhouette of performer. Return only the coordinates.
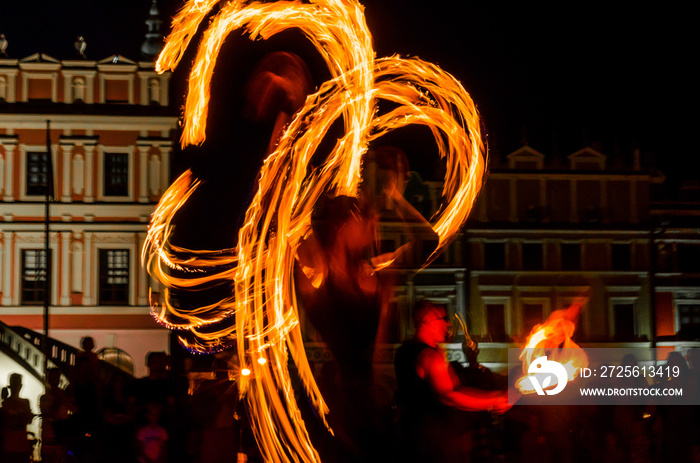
(429, 394)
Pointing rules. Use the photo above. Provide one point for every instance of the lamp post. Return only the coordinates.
(48, 197)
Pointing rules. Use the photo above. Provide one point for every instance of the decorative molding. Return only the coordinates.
(121, 238)
(89, 123)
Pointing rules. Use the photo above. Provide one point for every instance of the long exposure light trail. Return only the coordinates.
(262, 311)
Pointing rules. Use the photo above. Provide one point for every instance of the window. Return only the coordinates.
(37, 173)
(621, 258)
(532, 315)
(114, 277)
(40, 88)
(117, 91)
(532, 256)
(688, 257)
(33, 276)
(689, 318)
(533, 214)
(427, 248)
(624, 322)
(496, 322)
(495, 256)
(570, 256)
(116, 174)
(664, 257)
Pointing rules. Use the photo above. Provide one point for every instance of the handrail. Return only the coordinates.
(62, 355)
(24, 346)
(27, 351)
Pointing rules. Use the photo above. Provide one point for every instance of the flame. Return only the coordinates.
(261, 316)
(547, 338)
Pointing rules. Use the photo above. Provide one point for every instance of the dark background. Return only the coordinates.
(611, 74)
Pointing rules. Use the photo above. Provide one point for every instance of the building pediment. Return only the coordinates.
(116, 59)
(39, 58)
(39, 62)
(587, 159)
(526, 158)
(117, 63)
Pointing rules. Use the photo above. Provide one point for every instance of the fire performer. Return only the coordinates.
(429, 392)
(275, 90)
(261, 313)
(342, 288)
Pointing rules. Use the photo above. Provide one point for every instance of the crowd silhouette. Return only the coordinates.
(164, 417)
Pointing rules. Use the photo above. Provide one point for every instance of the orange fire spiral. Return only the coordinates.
(263, 309)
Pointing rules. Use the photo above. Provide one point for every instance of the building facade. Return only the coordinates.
(545, 237)
(110, 146)
(546, 234)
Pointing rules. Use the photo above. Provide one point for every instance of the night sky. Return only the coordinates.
(578, 73)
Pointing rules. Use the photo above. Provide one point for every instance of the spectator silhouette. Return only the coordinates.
(118, 422)
(156, 387)
(87, 418)
(16, 415)
(631, 434)
(679, 429)
(87, 344)
(56, 407)
(215, 405)
(4, 394)
(152, 438)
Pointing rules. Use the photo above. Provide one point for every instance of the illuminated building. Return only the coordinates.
(547, 233)
(544, 235)
(110, 137)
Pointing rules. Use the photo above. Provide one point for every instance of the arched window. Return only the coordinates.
(118, 358)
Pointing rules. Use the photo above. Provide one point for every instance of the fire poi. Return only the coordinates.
(261, 317)
(546, 342)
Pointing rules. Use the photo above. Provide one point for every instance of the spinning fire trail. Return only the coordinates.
(263, 311)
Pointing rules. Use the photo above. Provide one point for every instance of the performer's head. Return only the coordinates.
(431, 322)
(280, 82)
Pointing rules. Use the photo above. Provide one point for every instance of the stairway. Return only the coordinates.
(24, 347)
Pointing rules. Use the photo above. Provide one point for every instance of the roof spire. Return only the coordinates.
(151, 47)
